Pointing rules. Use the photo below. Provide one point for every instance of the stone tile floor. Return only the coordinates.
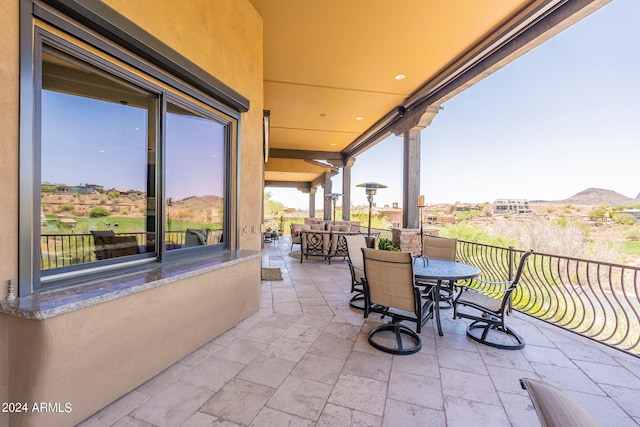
(304, 360)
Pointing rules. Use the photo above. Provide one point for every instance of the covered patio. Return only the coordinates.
(304, 360)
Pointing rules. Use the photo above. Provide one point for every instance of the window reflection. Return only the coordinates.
(97, 164)
(194, 178)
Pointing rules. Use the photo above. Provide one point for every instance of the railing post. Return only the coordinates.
(510, 263)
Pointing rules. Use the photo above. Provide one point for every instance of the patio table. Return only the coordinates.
(440, 271)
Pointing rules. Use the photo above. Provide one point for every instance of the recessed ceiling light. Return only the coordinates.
(359, 118)
(333, 145)
(400, 77)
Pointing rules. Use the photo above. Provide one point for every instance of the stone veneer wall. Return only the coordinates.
(408, 239)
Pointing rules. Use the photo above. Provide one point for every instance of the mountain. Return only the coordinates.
(599, 196)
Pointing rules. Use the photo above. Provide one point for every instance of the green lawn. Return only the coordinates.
(124, 225)
(631, 248)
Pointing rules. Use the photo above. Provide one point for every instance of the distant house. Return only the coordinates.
(86, 188)
(511, 206)
(393, 214)
(466, 207)
(634, 212)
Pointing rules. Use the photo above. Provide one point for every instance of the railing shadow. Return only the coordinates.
(594, 299)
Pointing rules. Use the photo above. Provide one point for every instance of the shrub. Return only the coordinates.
(466, 215)
(98, 212)
(386, 245)
(598, 213)
(47, 188)
(470, 233)
(624, 219)
(67, 207)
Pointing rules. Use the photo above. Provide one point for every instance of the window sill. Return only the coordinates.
(46, 304)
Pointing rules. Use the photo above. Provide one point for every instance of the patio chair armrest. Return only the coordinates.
(486, 292)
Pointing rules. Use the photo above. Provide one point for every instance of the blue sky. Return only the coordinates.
(558, 120)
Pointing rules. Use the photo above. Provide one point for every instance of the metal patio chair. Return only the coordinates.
(389, 289)
(491, 303)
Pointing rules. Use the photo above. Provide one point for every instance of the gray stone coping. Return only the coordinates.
(117, 284)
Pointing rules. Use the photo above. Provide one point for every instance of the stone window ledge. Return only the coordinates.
(49, 303)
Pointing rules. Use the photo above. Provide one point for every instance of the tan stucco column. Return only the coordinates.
(312, 202)
(346, 189)
(326, 197)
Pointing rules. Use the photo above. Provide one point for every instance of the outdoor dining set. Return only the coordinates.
(413, 288)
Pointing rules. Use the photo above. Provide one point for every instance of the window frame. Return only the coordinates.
(228, 161)
(178, 87)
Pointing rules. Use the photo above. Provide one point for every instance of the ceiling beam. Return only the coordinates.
(289, 184)
(332, 168)
(280, 153)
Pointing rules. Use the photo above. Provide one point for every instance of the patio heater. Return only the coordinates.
(334, 199)
(370, 188)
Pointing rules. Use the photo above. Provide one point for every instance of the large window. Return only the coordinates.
(195, 179)
(126, 170)
(97, 157)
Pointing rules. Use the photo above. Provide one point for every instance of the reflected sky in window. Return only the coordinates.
(89, 141)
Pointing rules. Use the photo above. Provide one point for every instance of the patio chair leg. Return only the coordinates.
(398, 330)
(357, 297)
(487, 327)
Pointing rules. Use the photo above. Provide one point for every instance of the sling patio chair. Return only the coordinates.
(355, 243)
(390, 289)
(444, 248)
(490, 303)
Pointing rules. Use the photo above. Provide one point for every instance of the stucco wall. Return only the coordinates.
(124, 342)
(9, 166)
(90, 357)
(224, 37)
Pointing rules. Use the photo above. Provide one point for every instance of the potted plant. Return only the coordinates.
(387, 245)
(281, 225)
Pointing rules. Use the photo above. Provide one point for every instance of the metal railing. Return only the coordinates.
(62, 250)
(597, 300)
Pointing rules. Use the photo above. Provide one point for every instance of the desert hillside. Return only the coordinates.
(599, 196)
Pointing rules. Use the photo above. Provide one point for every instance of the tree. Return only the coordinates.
(271, 207)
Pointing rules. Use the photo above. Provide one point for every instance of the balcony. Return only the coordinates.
(304, 360)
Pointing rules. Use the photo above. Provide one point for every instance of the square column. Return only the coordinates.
(312, 202)
(411, 178)
(346, 190)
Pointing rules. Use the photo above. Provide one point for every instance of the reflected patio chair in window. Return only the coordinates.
(490, 303)
(195, 237)
(355, 243)
(554, 407)
(99, 242)
(435, 247)
(109, 245)
(389, 289)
